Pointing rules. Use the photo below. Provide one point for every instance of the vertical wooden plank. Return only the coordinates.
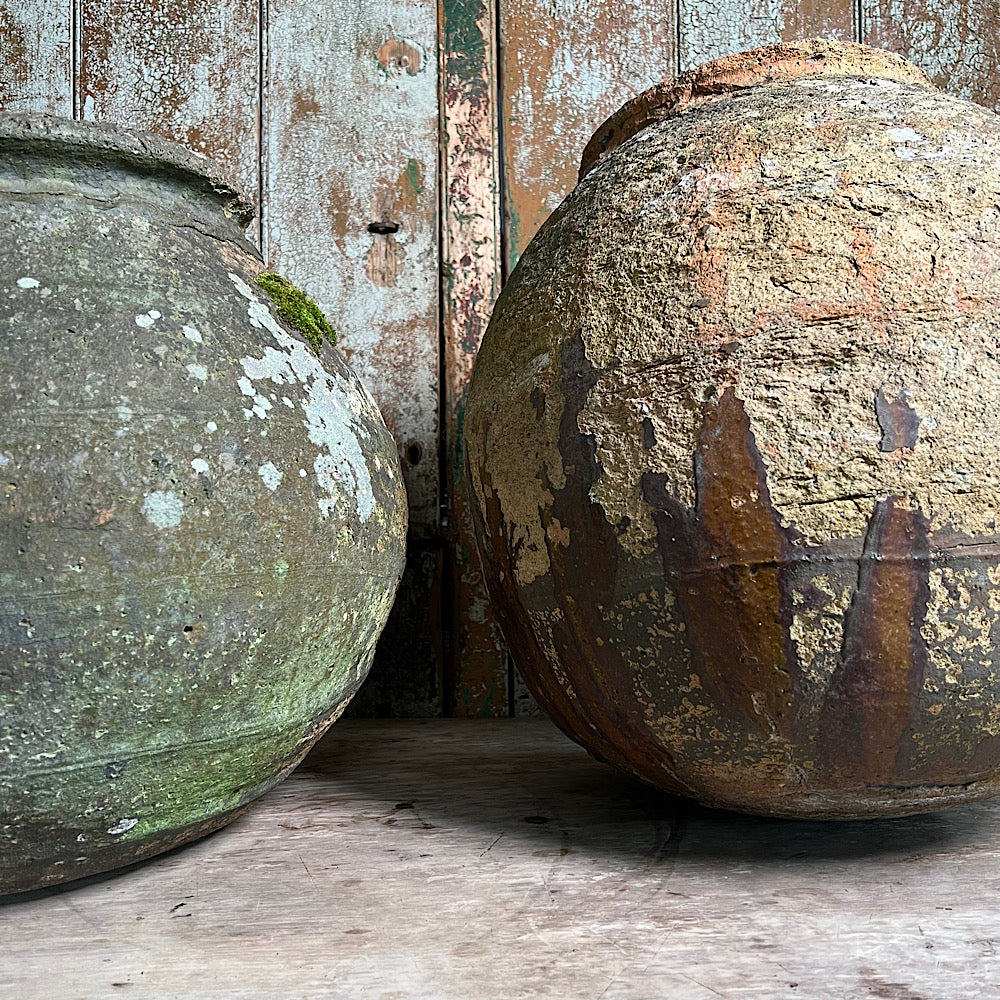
(185, 70)
(566, 65)
(36, 57)
(351, 181)
(958, 44)
(720, 27)
(476, 675)
(350, 215)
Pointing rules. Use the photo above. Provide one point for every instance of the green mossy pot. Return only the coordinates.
(732, 437)
(202, 516)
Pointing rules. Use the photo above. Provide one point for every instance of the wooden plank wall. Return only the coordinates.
(402, 154)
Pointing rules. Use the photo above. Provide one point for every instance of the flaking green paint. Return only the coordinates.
(297, 309)
(465, 46)
(414, 175)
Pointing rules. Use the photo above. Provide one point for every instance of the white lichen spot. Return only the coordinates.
(303, 473)
(288, 402)
(199, 372)
(27, 282)
(904, 135)
(199, 465)
(271, 475)
(211, 427)
(246, 386)
(330, 408)
(192, 333)
(163, 509)
(146, 320)
(123, 826)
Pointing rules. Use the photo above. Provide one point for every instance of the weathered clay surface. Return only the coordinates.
(202, 522)
(731, 435)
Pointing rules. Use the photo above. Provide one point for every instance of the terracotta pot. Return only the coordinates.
(202, 520)
(732, 439)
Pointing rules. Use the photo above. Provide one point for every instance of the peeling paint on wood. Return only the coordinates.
(351, 188)
(36, 59)
(958, 44)
(187, 71)
(566, 65)
(721, 27)
(477, 676)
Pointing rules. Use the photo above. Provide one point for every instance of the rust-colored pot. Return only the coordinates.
(732, 439)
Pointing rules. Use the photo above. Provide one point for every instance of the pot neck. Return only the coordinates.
(771, 65)
(92, 145)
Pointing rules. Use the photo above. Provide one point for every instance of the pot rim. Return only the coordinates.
(145, 151)
(771, 64)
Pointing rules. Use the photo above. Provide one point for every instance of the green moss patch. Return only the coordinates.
(297, 309)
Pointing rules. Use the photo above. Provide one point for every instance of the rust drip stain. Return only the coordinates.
(873, 702)
(304, 106)
(17, 64)
(385, 257)
(725, 562)
(584, 570)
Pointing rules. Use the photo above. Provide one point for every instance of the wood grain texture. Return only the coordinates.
(958, 44)
(36, 57)
(448, 859)
(565, 67)
(351, 142)
(187, 70)
(721, 27)
(350, 181)
(476, 676)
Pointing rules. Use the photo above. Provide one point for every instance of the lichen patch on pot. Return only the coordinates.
(330, 411)
(270, 475)
(147, 319)
(163, 509)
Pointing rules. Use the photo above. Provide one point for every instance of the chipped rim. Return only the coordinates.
(771, 64)
(143, 151)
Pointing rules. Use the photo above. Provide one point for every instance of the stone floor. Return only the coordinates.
(493, 860)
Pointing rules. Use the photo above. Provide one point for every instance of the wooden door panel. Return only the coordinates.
(350, 180)
(958, 44)
(36, 57)
(185, 69)
(721, 27)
